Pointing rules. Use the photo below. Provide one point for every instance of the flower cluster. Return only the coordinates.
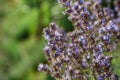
(80, 54)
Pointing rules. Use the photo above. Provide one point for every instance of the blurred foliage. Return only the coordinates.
(21, 41)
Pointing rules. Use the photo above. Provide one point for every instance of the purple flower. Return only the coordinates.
(100, 78)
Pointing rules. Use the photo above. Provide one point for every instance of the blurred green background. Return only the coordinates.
(21, 40)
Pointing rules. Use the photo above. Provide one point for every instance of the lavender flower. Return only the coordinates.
(79, 55)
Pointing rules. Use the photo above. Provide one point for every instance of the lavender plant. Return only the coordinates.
(86, 52)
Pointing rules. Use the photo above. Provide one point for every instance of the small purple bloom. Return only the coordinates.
(100, 78)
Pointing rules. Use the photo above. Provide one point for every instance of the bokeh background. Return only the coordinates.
(21, 40)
